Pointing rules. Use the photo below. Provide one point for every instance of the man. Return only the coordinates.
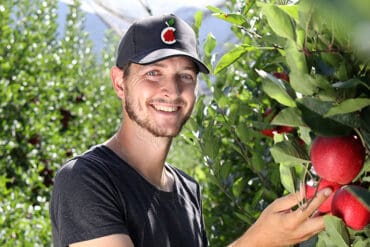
(122, 193)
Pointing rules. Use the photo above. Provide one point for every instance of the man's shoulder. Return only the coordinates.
(184, 177)
(93, 160)
(182, 173)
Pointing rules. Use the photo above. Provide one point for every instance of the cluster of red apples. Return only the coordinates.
(338, 161)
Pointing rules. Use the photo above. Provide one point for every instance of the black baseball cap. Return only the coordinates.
(158, 37)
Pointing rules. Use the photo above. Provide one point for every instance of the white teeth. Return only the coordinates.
(165, 108)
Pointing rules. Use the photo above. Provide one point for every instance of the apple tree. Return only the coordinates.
(52, 89)
(299, 71)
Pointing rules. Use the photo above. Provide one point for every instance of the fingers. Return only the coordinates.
(314, 225)
(322, 195)
(309, 228)
(295, 225)
(286, 202)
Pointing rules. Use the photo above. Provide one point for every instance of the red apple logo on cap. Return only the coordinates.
(168, 33)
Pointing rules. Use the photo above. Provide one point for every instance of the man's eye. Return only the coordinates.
(152, 73)
(187, 77)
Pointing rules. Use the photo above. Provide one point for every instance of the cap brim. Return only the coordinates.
(166, 53)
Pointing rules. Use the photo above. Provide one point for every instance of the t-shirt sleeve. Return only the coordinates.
(84, 204)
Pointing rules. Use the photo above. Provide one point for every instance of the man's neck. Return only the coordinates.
(145, 152)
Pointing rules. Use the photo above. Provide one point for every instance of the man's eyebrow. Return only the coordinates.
(163, 65)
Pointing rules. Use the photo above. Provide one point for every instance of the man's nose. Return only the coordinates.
(171, 87)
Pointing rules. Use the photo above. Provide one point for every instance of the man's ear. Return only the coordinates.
(116, 75)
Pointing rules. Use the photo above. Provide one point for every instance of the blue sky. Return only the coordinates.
(118, 14)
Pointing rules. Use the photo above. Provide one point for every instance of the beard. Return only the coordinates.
(133, 111)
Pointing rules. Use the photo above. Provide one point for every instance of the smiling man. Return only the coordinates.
(123, 193)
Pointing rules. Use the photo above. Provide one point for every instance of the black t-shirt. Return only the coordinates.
(98, 194)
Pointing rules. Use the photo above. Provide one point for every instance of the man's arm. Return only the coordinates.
(115, 240)
(278, 225)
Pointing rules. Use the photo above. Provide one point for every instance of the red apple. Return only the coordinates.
(268, 132)
(338, 159)
(278, 129)
(282, 75)
(266, 114)
(351, 210)
(325, 207)
(34, 140)
(285, 129)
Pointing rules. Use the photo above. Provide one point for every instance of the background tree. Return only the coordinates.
(55, 98)
(297, 73)
(56, 101)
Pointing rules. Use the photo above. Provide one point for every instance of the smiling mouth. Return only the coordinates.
(166, 108)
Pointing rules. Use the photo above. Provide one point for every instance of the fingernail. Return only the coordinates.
(327, 191)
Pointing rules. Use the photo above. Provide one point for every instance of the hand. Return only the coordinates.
(279, 225)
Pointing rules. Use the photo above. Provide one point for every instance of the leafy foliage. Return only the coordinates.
(296, 73)
(241, 177)
(52, 91)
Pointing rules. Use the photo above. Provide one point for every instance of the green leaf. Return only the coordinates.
(295, 58)
(245, 218)
(220, 97)
(291, 177)
(231, 57)
(306, 84)
(286, 177)
(257, 163)
(313, 111)
(223, 169)
(211, 144)
(279, 21)
(365, 126)
(362, 243)
(244, 133)
(238, 186)
(234, 113)
(302, 83)
(275, 89)
(304, 134)
(289, 117)
(352, 83)
(289, 152)
(209, 45)
(301, 35)
(214, 9)
(291, 10)
(347, 106)
(232, 18)
(336, 229)
(198, 18)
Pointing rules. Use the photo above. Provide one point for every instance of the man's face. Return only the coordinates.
(160, 96)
